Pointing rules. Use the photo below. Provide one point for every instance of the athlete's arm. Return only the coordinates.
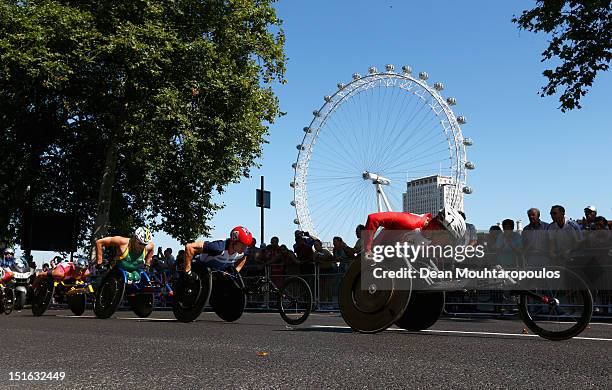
(191, 250)
(241, 263)
(116, 241)
(149, 248)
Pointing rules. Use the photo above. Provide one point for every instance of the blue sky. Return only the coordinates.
(527, 152)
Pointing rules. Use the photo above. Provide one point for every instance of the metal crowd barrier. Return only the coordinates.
(325, 286)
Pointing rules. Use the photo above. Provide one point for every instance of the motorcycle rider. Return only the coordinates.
(220, 254)
(131, 253)
(8, 259)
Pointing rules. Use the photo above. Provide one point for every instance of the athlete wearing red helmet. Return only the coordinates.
(220, 254)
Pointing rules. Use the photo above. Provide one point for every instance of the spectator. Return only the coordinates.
(323, 258)
(170, 260)
(471, 236)
(180, 260)
(359, 244)
(45, 267)
(305, 236)
(565, 234)
(535, 240)
(491, 239)
(342, 253)
(601, 223)
(588, 222)
(303, 249)
(509, 246)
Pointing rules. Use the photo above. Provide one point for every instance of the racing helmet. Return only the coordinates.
(242, 234)
(143, 235)
(452, 221)
(81, 264)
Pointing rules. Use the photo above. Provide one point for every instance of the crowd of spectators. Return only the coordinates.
(541, 242)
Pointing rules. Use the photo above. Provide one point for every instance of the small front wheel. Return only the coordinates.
(558, 313)
(142, 304)
(77, 303)
(295, 301)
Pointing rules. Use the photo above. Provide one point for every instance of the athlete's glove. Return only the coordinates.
(188, 277)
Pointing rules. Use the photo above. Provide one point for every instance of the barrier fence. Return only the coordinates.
(325, 284)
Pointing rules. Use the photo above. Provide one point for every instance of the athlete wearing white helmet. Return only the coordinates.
(131, 253)
(452, 221)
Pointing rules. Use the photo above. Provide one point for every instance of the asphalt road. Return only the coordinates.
(260, 351)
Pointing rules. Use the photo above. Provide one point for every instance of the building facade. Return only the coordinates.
(429, 194)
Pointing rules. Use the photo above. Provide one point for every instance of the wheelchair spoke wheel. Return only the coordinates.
(295, 301)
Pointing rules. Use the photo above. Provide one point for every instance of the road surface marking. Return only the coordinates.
(460, 332)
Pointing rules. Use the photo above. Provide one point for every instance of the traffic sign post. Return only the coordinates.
(262, 200)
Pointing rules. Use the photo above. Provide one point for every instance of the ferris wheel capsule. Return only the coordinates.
(327, 98)
(372, 70)
(294, 165)
(451, 101)
(296, 221)
(470, 165)
(293, 203)
(423, 76)
(468, 142)
(316, 113)
(461, 120)
(389, 67)
(341, 85)
(356, 76)
(438, 86)
(406, 69)
(307, 130)
(467, 190)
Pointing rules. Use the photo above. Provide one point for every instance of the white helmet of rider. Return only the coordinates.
(452, 221)
(81, 263)
(143, 235)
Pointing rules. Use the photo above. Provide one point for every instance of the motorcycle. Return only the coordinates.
(22, 278)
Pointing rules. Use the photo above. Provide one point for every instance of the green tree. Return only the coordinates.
(581, 41)
(134, 111)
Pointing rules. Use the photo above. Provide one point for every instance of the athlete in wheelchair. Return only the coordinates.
(129, 276)
(369, 304)
(212, 272)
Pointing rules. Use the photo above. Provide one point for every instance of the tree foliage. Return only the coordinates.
(177, 94)
(581, 40)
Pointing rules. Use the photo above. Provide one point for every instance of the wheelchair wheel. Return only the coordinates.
(370, 305)
(424, 309)
(77, 303)
(110, 294)
(227, 299)
(295, 301)
(558, 313)
(190, 298)
(42, 294)
(142, 304)
(8, 300)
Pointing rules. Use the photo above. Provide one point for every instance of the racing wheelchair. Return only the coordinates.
(227, 293)
(71, 291)
(115, 285)
(7, 294)
(370, 305)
